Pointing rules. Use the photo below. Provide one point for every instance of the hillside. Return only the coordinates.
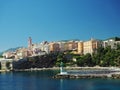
(105, 57)
(44, 61)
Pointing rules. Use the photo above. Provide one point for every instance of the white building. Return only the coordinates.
(41, 47)
(111, 42)
(62, 46)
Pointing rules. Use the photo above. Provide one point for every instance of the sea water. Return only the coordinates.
(42, 80)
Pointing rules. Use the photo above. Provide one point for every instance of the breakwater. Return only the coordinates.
(91, 72)
(114, 76)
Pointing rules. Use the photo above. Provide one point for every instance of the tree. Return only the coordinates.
(85, 60)
(80, 61)
(60, 58)
(0, 66)
(118, 46)
(95, 59)
(8, 65)
(1, 56)
(88, 60)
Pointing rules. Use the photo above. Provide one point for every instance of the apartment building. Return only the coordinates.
(67, 45)
(90, 46)
(22, 53)
(112, 42)
(43, 46)
(54, 47)
(62, 45)
(9, 54)
(80, 47)
(72, 45)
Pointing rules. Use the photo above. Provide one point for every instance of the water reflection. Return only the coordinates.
(42, 80)
(61, 84)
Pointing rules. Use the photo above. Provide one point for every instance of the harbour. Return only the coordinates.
(90, 72)
(42, 80)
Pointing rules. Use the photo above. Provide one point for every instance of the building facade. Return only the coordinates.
(80, 47)
(22, 53)
(54, 47)
(72, 45)
(91, 46)
(112, 42)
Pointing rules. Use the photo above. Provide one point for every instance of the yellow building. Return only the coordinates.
(80, 47)
(68, 45)
(90, 46)
(54, 47)
(72, 45)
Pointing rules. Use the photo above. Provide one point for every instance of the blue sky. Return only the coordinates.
(54, 20)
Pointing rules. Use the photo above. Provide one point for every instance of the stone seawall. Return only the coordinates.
(70, 76)
(91, 72)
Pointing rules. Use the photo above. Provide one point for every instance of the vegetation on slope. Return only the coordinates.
(104, 57)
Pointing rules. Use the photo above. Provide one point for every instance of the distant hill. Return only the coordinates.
(114, 38)
(11, 49)
(69, 40)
